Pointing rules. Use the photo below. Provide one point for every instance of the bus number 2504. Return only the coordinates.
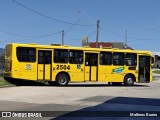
(63, 67)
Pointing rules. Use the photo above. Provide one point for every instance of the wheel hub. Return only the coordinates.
(62, 80)
(129, 80)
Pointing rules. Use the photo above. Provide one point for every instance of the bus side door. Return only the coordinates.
(44, 71)
(144, 68)
(91, 66)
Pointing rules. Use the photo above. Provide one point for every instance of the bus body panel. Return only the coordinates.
(76, 71)
(82, 72)
(25, 70)
(94, 73)
(114, 73)
(20, 70)
(40, 72)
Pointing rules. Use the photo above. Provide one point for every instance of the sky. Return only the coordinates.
(41, 22)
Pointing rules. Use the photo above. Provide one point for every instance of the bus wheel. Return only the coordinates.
(62, 80)
(128, 80)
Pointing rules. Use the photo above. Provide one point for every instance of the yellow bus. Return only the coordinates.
(64, 64)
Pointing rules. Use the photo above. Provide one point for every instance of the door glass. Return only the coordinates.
(44, 57)
(94, 60)
(91, 59)
(40, 57)
(87, 60)
(144, 68)
(48, 57)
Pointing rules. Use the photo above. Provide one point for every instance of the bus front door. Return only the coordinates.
(144, 68)
(91, 66)
(44, 71)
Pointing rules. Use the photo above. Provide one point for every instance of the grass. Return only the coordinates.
(4, 83)
(156, 71)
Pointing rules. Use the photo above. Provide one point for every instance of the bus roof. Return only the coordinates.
(80, 48)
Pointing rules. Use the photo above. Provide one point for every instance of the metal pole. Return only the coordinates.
(97, 33)
(62, 37)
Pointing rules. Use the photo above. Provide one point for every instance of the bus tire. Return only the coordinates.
(128, 80)
(62, 80)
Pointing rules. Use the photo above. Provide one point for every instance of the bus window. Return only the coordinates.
(48, 59)
(91, 59)
(87, 60)
(131, 59)
(105, 58)
(94, 61)
(44, 57)
(75, 57)
(118, 58)
(40, 57)
(60, 56)
(26, 54)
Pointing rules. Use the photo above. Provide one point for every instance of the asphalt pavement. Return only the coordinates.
(98, 100)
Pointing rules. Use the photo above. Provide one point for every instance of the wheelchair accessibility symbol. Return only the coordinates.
(78, 66)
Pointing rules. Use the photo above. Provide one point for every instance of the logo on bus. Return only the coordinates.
(28, 67)
(118, 70)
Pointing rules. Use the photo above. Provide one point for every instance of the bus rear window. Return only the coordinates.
(26, 54)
